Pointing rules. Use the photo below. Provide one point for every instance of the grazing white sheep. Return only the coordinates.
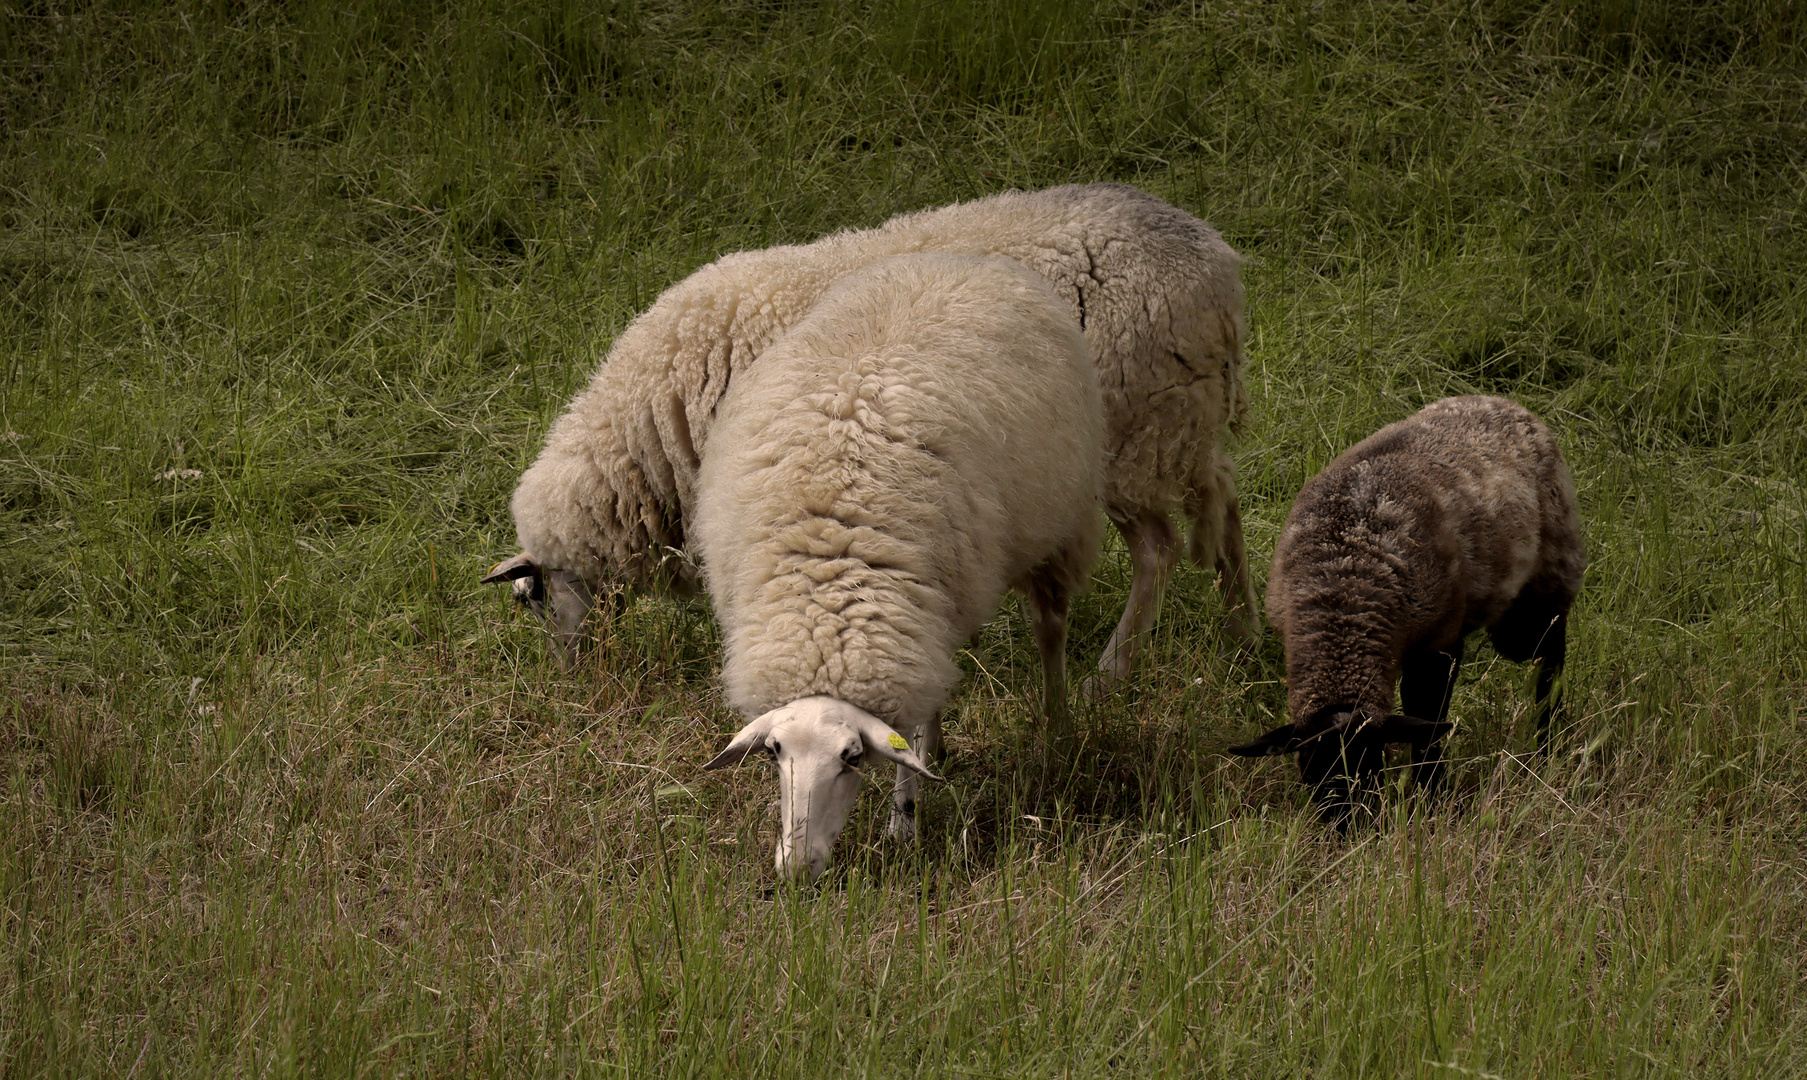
(1155, 291)
(1459, 518)
(925, 438)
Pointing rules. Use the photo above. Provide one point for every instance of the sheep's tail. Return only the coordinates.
(1213, 490)
(1236, 391)
(1217, 544)
(1211, 504)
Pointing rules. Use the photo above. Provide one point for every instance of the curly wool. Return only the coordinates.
(1155, 291)
(924, 439)
(1425, 531)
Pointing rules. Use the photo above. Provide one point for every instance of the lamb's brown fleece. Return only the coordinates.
(1459, 518)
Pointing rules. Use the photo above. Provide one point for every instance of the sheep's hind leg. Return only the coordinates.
(1536, 628)
(1552, 653)
(1154, 548)
(927, 743)
(1049, 604)
(1427, 681)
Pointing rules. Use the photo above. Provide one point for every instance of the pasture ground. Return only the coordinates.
(289, 293)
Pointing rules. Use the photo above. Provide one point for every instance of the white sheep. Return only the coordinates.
(1155, 291)
(925, 438)
(1458, 518)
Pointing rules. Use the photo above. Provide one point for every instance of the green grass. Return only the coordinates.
(288, 294)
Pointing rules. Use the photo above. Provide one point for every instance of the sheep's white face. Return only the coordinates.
(818, 760)
(560, 597)
(567, 609)
(819, 744)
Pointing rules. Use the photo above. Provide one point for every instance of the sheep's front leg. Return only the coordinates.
(927, 742)
(1154, 548)
(1427, 681)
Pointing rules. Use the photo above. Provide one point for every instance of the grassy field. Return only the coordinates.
(289, 293)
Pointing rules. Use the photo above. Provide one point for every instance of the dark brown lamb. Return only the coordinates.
(1458, 518)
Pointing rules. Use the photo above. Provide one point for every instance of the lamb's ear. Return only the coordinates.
(520, 566)
(748, 739)
(1282, 740)
(1397, 728)
(882, 739)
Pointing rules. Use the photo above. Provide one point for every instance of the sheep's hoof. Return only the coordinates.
(1101, 684)
(1241, 632)
(902, 829)
(1235, 647)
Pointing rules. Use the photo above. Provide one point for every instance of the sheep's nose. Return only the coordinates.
(565, 652)
(792, 865)
(799, 866)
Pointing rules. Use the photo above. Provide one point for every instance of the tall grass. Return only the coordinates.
(289, 293)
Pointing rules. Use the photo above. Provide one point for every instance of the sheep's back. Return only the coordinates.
(1159, 297)
(1155, 291)
(1510, 494)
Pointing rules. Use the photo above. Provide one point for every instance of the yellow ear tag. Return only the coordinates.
(897, 742)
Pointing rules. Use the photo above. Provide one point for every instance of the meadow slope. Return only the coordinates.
(289, 294)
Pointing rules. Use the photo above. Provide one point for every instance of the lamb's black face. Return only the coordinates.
(1341, 765)
(1341, 754)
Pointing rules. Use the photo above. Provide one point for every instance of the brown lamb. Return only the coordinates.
(1458, 518)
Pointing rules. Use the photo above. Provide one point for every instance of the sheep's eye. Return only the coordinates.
(852, 756)
(772, 747)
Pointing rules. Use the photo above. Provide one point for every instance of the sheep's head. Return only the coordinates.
(1341, 749)
(819, 744)
(562, 598)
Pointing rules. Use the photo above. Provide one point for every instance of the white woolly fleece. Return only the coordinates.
(1155, 291)
(922, 440)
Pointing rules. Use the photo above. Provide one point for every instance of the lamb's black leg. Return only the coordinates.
(1426, 683)
(1552, 651)
(1535, 628)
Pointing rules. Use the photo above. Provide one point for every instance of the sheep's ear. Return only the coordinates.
(748, 739)
(520, 566)
(882, 739)
(1282, 740)
(1397, 728)
(529, 581)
